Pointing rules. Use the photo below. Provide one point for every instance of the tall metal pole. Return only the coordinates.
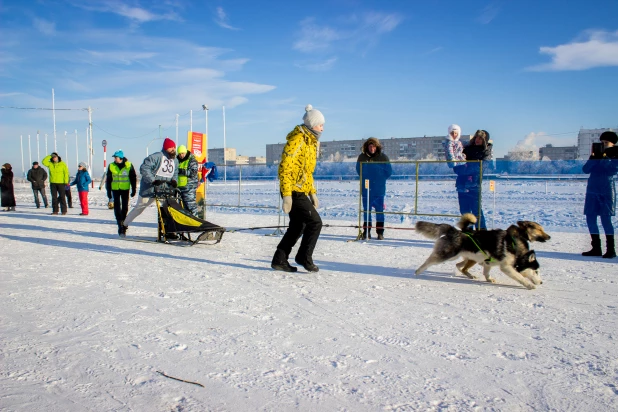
(38, 150)
(224, 150)
(54, 117)
(176, 129)
(46, 152)
(191, 121)
(29, 151)
(76, 150)
(66, 146)
(21, 146)
(88, 151)
(90, 133)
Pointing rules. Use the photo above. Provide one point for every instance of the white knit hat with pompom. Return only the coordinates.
(312, 117)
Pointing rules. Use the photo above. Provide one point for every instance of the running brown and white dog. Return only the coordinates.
(508, 249)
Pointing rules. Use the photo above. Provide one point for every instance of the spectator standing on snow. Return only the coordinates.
(7, 195)
(479, 148)
(300, 201)
(160, 168)
(58, 180)
(456, 160)
(187, 179)
(121, 178)
(376, 168)
(82, 181)
(37, 177)
(601, 194)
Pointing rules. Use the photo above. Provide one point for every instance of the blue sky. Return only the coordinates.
(523, 70)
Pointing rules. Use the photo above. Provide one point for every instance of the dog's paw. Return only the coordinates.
(491, 280)
(469, 275)
(530, 286)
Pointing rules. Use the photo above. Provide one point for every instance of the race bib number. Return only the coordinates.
(166, 169)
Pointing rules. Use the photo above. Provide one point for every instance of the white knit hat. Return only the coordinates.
(312, 117)
(454, 127)
(83, 164)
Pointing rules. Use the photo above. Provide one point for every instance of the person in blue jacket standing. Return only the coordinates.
(601, 194)
(82, 181)
(376, 168)
(160, 168)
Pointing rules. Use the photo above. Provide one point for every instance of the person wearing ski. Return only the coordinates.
(187, 179)
(82, 181)
(376, 168)
(37, 177)
(58, 180)
(120, 179)
(479, 148)
(601, 195)
(300, 201)
(158, 170)
(7, 195)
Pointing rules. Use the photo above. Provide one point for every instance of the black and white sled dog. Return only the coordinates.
(507, 249)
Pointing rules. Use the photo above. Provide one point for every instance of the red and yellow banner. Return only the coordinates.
(197, 143)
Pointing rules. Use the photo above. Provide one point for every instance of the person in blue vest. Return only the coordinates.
(121, 178)
(158, 169)
(376, 169)
(187, 179)
(82, 181)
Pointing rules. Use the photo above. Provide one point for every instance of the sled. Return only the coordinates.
(176, 224)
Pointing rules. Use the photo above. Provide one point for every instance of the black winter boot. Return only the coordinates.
(380, 230)
(596, 246)
(280, 262)
(307, 264)
(611, 248)
(366, 230)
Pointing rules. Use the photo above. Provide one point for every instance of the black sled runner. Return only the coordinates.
(175, 223)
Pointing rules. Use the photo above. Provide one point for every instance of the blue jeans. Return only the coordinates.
(469, 203)
(593, 227)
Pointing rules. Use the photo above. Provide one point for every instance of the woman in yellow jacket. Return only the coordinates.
(299, 196)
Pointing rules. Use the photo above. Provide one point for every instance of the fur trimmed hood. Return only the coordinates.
(376, 143)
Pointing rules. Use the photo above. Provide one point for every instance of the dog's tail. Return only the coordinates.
(466, 221)
(431, 230)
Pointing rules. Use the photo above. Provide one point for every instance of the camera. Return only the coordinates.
(597, 150)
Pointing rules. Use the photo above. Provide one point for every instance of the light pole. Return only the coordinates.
(224, 150)
(156, 138)
(159, 131)
(206, 114)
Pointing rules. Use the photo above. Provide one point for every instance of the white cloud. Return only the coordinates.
(44, 26)
(364, 29)
(122, 57)
(135, 14)
(489, 12)
(222, 20)
(595, 49)
(318, 66)
(529, 145)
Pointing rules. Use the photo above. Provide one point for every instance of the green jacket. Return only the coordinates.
(58, 172)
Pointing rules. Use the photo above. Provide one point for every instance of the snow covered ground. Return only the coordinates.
(89, 321)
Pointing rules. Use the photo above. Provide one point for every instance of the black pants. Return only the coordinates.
(58, 195)
(121, 204)
(36, 196)
(304, 221)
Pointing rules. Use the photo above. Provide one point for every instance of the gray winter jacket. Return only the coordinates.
(157, 166)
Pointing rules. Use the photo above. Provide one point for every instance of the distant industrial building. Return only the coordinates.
(586, 137)
(558, 153)
(231, 159)
(396, 148)
(216, 155)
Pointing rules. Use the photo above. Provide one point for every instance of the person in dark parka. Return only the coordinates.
(601, 194)
(479, 148)
(7, 196)
(376, 168)
(37, 177)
